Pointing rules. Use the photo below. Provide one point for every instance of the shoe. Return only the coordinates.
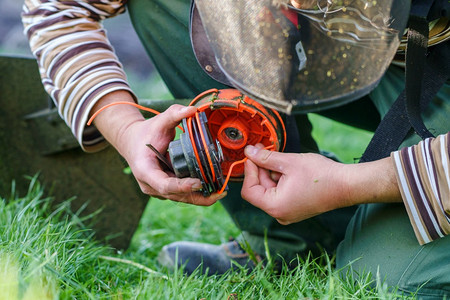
(209, 259)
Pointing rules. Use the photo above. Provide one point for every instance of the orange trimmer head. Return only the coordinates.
(215, 138)
(235, 121)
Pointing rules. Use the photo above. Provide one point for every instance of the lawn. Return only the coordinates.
(51, 254)
(48, 253)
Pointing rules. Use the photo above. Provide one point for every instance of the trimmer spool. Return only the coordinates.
(236, 121)
(195, 154)
(233, 121)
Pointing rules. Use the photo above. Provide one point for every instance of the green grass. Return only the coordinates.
(48, 253)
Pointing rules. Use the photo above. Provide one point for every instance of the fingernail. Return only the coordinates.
(196, 187)
(220, 196)
(184, 109)
(251, 150)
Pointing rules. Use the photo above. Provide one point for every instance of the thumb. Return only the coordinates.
(175, 113)
(270, 160)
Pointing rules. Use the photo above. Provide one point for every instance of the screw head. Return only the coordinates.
(209, 68)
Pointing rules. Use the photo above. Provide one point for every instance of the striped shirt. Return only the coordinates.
(78, 66)
(423, 175)
(76, 61)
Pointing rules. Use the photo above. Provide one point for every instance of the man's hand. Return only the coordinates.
(126, 129)
(294, 187)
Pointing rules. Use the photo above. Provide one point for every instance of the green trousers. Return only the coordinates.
(378, 237)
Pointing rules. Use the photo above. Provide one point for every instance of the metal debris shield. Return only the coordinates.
(321, 55)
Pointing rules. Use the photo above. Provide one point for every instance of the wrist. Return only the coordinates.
(113, 121)
(371, 182)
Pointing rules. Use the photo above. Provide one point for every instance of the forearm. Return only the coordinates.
(370, 182)
(417, 175)
(114, 120)
(77, 63)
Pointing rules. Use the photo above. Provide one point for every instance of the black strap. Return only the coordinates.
(416, 51)
(395, 125)
(425, 75)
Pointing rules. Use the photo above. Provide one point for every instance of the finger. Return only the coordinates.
(252, 189)
(283, 222)
(181, 190)
(259, 146)
(264, 174)
(174, 114)
(146, 189)
(196, 198)
(163, 184)
(275, 176)
(265, 178)
(251, 174)
(270, 160)
(173, 185)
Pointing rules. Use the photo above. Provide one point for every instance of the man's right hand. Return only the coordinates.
(127, 130)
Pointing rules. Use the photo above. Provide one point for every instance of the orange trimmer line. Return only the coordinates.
(197, 118)
(225, 183)
(125, 102)
(203, 94)
(194, 147)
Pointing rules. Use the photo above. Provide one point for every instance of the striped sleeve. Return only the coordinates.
(76, 62)
(424, 181)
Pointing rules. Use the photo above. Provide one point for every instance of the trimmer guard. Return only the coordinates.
(323, 55)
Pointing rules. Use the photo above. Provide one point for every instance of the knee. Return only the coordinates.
(380, 244)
